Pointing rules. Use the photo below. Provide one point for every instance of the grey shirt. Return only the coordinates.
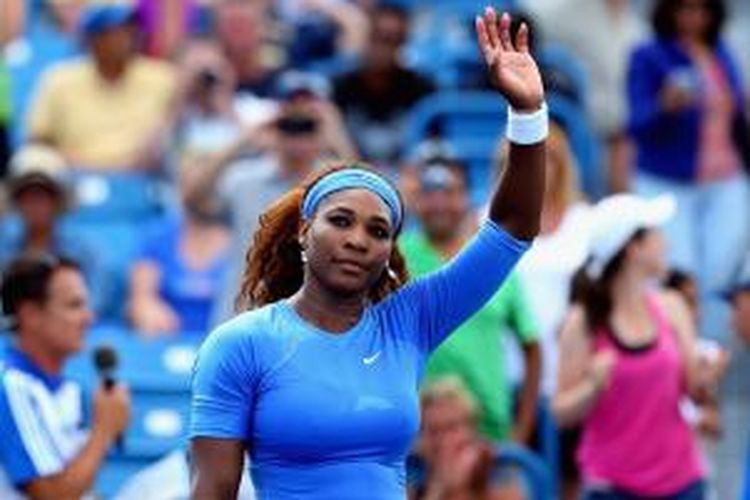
(247, 188)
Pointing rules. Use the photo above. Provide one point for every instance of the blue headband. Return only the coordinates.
(353, 178)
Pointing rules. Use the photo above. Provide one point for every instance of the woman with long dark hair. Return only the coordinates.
(318, 382)
(627, 358)
(688, 120)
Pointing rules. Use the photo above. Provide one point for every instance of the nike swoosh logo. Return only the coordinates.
(371, 359)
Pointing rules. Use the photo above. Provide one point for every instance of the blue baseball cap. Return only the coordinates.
(98, 18)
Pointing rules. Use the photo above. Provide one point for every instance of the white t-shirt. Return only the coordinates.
(546, 272)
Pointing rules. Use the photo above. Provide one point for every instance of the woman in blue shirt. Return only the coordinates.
(319, 382)
(688, 122)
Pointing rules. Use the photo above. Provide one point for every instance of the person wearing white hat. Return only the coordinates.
(627, 358)
(39, 196)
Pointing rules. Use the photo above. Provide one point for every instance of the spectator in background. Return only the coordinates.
(12, 17)
(39, 197)
(207, 122)
(109, 110)
(47, 35)
(613, 28)
(4, 118)
(687, 117)
(739, 297)
(627, 358)
(181, 270)
(165, 25)
(452, 461)
(546, 273)
(307, 130)
(377, 96)
(706, 417)
(323, 29)
(475, 352)
(46, 452)
(240, 27)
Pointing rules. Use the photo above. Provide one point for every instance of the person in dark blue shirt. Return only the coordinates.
(319, 380)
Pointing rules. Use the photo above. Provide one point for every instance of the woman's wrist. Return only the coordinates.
(528, 127)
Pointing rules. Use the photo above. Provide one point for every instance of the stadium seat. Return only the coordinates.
(112, 213)
(558, 60)
(117, 196)
(159, 422)
(472, 121)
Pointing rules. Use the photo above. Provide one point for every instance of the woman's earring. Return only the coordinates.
(303, 256)
(391, 273)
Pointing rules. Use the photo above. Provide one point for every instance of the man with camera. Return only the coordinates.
(45, 452)
(267, 161)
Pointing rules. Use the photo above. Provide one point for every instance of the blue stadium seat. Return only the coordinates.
(159, 422)
(555, 58)
(157, 372)
(103, 197)
(112, 214)
(163, 364)
(472, 121)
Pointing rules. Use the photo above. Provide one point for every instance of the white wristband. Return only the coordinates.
(527, 128)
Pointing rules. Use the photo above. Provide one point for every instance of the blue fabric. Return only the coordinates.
(745, 493)
(190, 292)
(15, 458)
(333, 416)
(667, 143)
(353, 178)
(99, 18)
(695, 491)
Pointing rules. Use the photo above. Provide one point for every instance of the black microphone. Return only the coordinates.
(105, 361)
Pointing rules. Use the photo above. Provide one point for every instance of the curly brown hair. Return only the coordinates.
(273, 264)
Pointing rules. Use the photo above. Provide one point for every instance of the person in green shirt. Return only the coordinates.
(4, 118)
(475, 352)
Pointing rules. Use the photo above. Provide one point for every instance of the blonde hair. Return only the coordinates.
(564, 190)
(449, 388)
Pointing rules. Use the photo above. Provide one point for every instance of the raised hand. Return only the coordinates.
(512, 69)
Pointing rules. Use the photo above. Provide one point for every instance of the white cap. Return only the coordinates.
(617, 218)
(37, 159)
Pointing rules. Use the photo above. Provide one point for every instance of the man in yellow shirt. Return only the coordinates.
(107, 111)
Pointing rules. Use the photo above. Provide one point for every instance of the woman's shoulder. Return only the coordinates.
(247, 330)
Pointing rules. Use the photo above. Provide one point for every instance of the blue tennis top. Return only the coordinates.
(329, 416)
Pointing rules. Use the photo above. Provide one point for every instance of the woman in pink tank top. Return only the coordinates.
(627, 358)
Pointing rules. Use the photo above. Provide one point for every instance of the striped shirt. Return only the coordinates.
(41, 423)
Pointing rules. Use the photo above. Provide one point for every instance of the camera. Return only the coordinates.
(207, 79)
(294, 125)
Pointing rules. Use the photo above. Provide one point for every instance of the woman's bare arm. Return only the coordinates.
(215, 468)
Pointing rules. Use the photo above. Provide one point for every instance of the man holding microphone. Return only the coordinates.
(45, 451)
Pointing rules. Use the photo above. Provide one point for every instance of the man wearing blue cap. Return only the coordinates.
(476, 351)
(105, 111)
